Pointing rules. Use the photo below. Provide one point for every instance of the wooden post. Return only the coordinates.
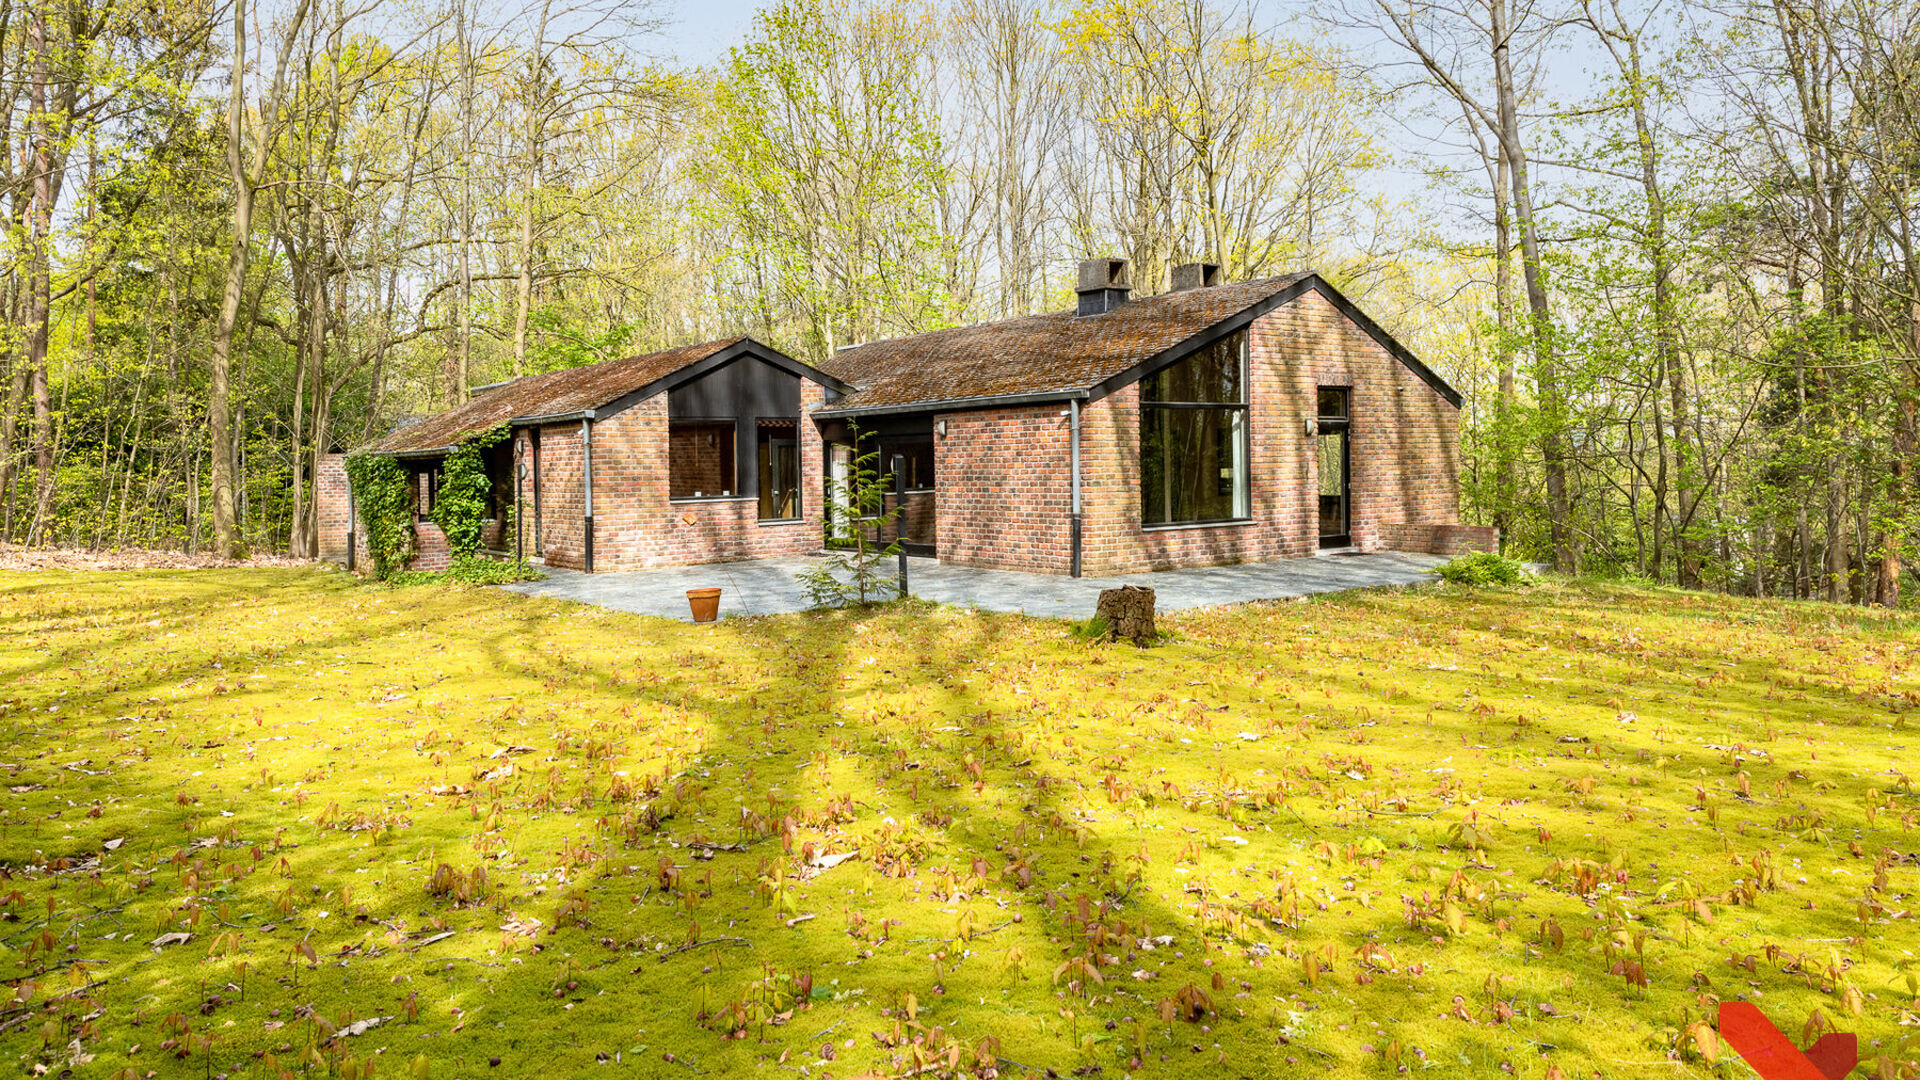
(1129, 613)
(899, 512)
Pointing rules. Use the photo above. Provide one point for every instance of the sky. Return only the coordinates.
(701, 30)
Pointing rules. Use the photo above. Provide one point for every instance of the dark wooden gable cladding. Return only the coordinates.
(746, 387)
(744, 391)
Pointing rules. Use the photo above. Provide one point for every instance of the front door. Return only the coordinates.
(1334, 425)
(779, 461)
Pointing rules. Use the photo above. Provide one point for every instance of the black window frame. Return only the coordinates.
(919, 460)
(763, 485)
(1239, 422)
(497, 461)
(713, 423)
(426, 491)
(1323, 426)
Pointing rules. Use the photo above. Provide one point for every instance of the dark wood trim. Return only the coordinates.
(743, 347)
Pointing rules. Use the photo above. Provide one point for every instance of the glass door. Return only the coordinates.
(1336, 489)
(779, 472)
(839, 473)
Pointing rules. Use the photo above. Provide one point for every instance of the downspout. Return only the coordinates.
(586, 474)
(353, 512)
(1073, 414)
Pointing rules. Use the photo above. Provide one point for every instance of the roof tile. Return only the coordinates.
(1057, 352)
(550, 394)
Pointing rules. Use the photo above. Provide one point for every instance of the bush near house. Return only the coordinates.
(265, 819)
(470, 570)
(1482, 568)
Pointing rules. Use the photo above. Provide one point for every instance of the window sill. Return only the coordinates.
(1230, 523)
(713, 499)
(781, 521)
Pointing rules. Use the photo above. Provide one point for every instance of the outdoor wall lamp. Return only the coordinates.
(1313, 427)
(940, 428)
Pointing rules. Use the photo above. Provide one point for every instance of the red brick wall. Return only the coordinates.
(1002, 489)
(1008, 503)
(429, 548)
(561, 505)
(636, 522)
(330, 507)
(1446, 540)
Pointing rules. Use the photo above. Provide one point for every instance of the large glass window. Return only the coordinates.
(916, 459)
(701, 463)
(1193, 437)
(779, 461)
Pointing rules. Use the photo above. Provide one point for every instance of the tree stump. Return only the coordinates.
(1129, 613)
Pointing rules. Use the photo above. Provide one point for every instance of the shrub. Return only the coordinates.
(460, 507)
(469, 570)
(858, 569)
(1482, 568)
(383, 498)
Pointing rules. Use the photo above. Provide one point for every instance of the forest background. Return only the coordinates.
(1666, 249)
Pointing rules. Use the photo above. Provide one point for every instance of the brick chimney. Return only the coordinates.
(1104, 285)
(1196, 275)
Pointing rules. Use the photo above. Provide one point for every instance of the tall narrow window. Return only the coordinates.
(1193, 437)
(779, 461)
(1335, 457)
(426, 492)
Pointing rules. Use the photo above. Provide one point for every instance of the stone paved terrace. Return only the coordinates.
(767, 586)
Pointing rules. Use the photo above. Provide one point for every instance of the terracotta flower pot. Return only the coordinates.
(705, 604)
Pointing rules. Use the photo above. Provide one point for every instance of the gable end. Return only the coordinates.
(1278, 300)
(741, 348)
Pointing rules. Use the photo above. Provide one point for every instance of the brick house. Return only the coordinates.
(1213, 424)
(698, 454)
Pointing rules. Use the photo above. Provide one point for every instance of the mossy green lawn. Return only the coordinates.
(1431, 830)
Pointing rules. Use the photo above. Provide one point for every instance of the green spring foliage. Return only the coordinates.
(470, 570)
(383, 498)
(460, 507)
(859, 569)
(1482, 568)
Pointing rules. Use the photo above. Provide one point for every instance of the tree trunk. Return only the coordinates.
(536, 154)
(1506, 416)
(457, 393)
(47, 164)
(1546, 363)
(1129, 613)
(225, 466)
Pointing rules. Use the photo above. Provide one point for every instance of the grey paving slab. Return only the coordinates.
(769, 586)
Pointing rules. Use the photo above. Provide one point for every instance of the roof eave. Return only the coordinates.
(543, 419)
(985, 401)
